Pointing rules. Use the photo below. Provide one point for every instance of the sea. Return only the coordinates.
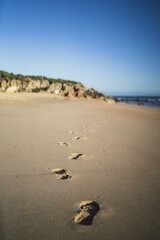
(139, 100)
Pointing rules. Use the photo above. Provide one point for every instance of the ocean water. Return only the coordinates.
(141, 101)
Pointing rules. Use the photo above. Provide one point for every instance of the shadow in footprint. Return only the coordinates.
(80, 138)
(64, 144)
(72, 132)
(76, 138)
(61, 173)
(76, 155)
(87, 211)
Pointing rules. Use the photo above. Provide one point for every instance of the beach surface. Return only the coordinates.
(118, 166)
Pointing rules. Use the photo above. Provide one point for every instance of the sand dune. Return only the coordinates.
(105, 153)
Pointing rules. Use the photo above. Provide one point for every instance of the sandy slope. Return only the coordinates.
(120, 170)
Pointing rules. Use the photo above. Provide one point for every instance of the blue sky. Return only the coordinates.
(111, 45)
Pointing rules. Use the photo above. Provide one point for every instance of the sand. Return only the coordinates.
(117, 165)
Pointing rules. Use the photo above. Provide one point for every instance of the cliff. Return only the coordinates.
(11, 83)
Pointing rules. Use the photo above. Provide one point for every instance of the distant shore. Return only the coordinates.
(148, 101)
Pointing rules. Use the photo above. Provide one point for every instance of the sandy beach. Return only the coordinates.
(118, 167)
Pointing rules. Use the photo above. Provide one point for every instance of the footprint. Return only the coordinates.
(88, 130)
(76, 155)
(85, 130)
(80, 138)
(61, 173)
(64, 144)
(76, 138)
(72, 132)
(87, 211)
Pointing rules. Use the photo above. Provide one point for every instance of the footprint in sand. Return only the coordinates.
(87, 211)
(64, 144)
(80, 138)
(88, 130)
(76, 138)
(72, 132)
(76, 155)
(61, 173)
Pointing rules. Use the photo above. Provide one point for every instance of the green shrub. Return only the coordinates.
(36, 90)
(9, 76)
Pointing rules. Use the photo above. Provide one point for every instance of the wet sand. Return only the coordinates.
(117, 165)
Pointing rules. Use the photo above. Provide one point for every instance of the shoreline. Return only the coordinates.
(148, 101)
(136, 104)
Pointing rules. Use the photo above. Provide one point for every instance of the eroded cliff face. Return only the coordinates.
(57, 88)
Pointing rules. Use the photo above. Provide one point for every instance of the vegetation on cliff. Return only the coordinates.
(10, 76)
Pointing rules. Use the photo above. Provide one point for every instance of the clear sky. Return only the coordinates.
(111, 45)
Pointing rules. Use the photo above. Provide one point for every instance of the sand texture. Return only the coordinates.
(56, 153)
